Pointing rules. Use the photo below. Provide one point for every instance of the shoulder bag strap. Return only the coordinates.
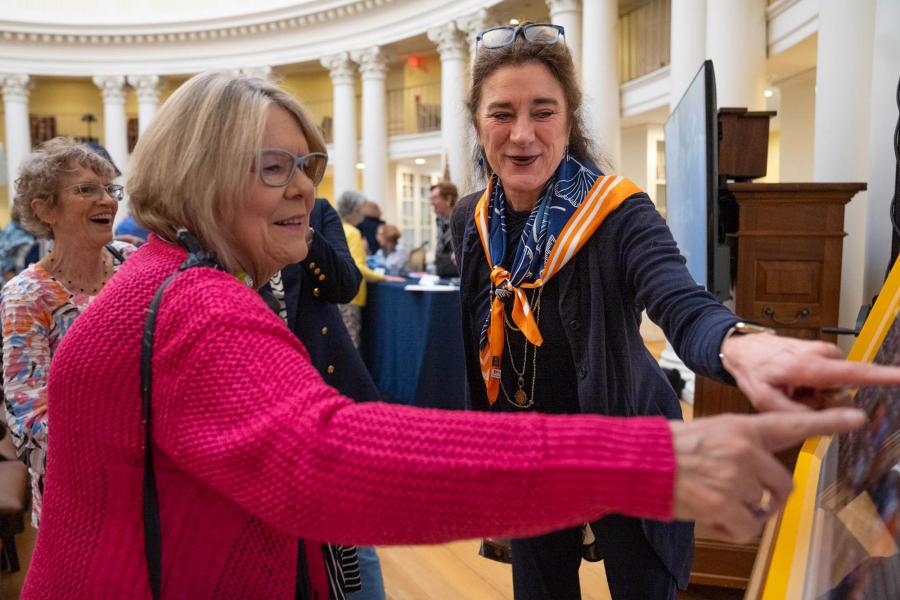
(152, 530)
(197, 257)
(117, 254)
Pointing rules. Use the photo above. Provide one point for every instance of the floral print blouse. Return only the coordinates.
(37, 310)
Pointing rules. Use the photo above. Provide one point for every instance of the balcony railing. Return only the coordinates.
(644, 33)
(415, 109)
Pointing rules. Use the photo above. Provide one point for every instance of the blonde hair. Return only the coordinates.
(39, 178)
(193, 166)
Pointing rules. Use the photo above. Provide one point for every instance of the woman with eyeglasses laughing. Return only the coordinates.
(64, 193)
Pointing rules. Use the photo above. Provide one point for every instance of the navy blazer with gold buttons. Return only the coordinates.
(312, 290)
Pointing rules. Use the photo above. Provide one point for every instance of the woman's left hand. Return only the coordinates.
(781, 373)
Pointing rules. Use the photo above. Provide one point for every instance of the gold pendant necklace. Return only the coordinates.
(520, 398)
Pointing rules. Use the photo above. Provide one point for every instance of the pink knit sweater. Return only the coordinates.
(254, 451)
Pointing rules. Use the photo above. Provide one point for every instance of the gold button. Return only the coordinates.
(316, 292)
(317, 271)
(312, 265)
(324, 330)
(322, 277)
(330, 369)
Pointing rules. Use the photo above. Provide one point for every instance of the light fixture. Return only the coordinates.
(419, 161)
(768, 93)
(513, 21)
(360, 166)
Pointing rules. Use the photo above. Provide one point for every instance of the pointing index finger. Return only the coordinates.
(783, 430)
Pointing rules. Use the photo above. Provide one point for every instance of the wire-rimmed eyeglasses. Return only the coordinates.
(535, 33)
(276, 167)
(94, 191)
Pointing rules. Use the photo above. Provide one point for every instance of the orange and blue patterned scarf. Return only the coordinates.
(571, 207)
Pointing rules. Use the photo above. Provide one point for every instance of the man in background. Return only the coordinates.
(443, 196)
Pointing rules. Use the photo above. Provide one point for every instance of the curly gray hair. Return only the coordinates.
(40, 173)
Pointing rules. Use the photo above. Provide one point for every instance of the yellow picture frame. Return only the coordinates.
(782, 562)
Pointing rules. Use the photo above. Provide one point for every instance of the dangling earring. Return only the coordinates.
(481, 161)
(566, 153)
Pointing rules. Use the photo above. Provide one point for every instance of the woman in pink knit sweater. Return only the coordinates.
(253, 451)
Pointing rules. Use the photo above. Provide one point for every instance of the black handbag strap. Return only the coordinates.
(197, 257)
(117, 254)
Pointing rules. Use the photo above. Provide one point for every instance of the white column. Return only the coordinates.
(147, 89)
(882, 164)
(568, 14)
(373, 66)
(451, 45)
(736, 43)
(342, 70)
(600, 77)
(841, 148)
(115, 134)
(687, 49)
(473, 24)
(18, 128)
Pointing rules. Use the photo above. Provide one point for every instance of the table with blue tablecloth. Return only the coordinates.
(412, 344)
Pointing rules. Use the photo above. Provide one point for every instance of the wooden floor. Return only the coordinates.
(456, 572)
(444, 572)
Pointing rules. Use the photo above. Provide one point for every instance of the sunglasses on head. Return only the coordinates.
(535, 33)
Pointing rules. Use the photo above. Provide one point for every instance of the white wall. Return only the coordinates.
(634, 155)
(797, 132)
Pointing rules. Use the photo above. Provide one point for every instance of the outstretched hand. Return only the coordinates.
(781, 373)
(727, 478)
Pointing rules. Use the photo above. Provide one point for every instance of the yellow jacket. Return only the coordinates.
(358, 252)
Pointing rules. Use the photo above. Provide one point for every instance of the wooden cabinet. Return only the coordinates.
(789, 245)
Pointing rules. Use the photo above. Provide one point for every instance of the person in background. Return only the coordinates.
(558, 261)
(393, 255)
(130, 231)
(368, 227)
(252, 450)
(64, 194)
(18, 247)
(310, 304)
(442, 196)
(350, 208)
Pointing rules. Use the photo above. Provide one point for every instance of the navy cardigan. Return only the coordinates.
(312, 290)
(629, 264)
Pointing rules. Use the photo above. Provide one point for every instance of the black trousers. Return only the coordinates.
(546, 567)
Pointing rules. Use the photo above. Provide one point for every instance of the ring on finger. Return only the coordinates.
(761, 510)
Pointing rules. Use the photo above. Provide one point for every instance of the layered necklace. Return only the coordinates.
(69, 282)
(522, 399)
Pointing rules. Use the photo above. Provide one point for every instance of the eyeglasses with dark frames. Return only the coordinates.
(535, 33)
(94, 191)
(276, 167)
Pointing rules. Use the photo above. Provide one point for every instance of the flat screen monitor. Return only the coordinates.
(692, 186)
